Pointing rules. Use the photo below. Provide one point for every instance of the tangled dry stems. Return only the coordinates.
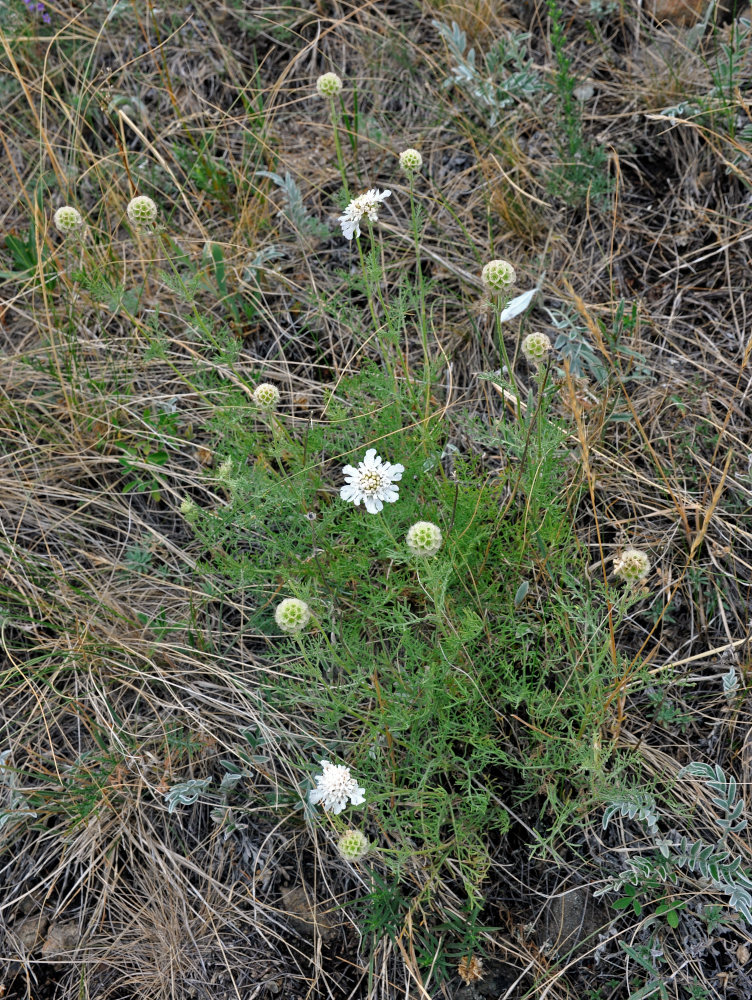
(676, 241)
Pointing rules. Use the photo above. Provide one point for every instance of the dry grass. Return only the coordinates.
(122, 675)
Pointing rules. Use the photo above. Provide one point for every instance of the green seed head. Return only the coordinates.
(498, 276)
(329, 85)
(353, 845)
(411, 161)
(142, 212)
(266, 396)
(424, 538)
(292, 615)
(536, 346)
(67, 220)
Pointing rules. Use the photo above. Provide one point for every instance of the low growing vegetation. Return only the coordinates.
(374, 501)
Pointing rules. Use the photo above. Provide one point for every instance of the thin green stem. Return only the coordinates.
(338, 148)
(415, 222)
(503, 356)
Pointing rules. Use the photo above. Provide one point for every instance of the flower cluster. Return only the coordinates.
(470, 969)
(536, 346)
(498, 275)
(334, 787)
(142, 212)
(424, 538)
(329, 85)
(67, 220)
(372, 483)
(34, 7)
(411, 161)
(353, 845)
(266, 396)
(189, 510)
(292, 614)
(632, 565)
(224, 472)
(364, 205)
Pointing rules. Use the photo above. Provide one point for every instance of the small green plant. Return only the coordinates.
(138, 461)
(295, 212)
(731, 686)
(582, 173)
(335, 482)
(718, 113)
(650, 893)
(648, 875)
(648, 958)
(506, 77)
(24, 256)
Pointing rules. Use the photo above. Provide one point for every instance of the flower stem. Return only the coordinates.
(338, 148)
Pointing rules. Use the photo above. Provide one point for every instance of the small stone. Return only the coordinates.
(680, 12)
(30, 930)
(305, 916)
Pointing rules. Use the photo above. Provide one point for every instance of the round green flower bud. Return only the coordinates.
(225, 470)
(266, 395)
(353, 845)
(424, 538)
(498, 275)
(632, 565)
(292, 615)
(142, 211)
(411, 161)
(329, 85)
(67, 220)
(536, 346)
(189, 510)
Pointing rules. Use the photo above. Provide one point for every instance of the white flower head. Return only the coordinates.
(142, 211)
(292, 614)
(632, 565)
(334, 787)
(410, 160)
(67, 220)
(498, 275)
(424, 538)
(353, 845)
(329, 85)
(536, 346)
(364, 205)
(372, 482)
(266, 396)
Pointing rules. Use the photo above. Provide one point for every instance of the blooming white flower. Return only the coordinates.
(536, 346)
(329, 85)
(292, 614)
(67, 220)
(353, 845)
(632, 565)
(142, 211)
(372, 482)
(365, 204)
(424, 538)
(334, 787)
(266, 395)
(498, 275)
(410, 160)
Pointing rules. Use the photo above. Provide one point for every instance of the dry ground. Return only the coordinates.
(120, 677)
